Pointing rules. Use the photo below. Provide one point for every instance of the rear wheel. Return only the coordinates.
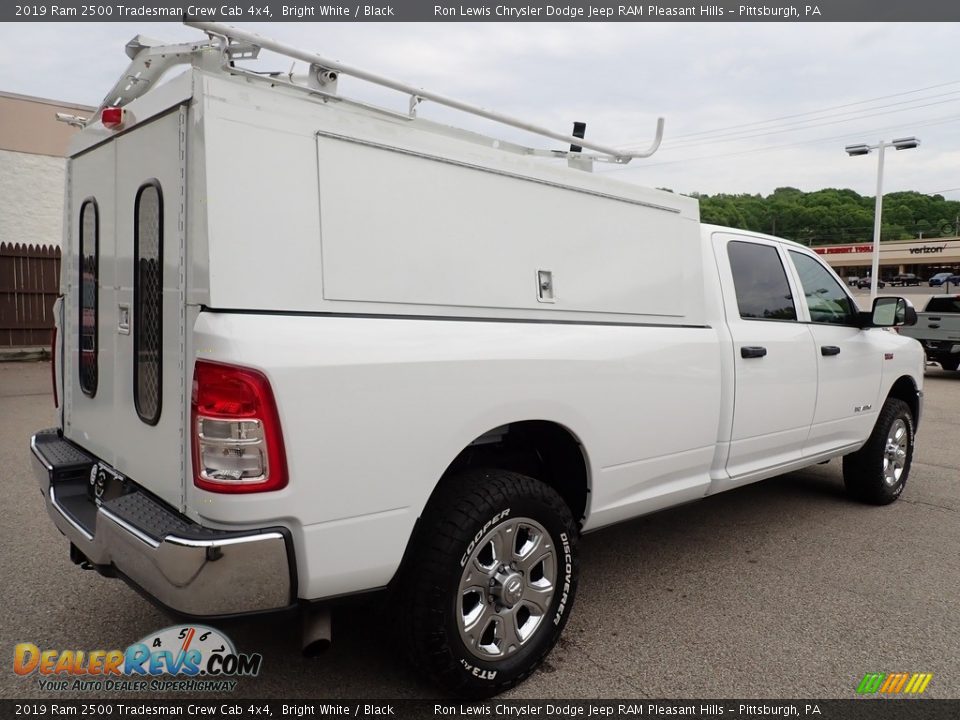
(878, 472)
(951, 364)
(491, 581)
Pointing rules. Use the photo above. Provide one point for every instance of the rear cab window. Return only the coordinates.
(763, 292)
(943, 305)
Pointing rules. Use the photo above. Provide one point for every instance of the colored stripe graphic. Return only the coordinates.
(894, 683)
(918, 683)
(871, 682)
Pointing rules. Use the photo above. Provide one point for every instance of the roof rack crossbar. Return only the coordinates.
(418, 95)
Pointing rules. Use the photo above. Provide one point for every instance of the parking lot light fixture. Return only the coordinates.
(907, 143)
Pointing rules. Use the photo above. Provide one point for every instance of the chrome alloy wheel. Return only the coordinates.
(506, 588)
(895, 452)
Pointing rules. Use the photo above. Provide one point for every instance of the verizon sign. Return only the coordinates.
(895, 251)
(928, 249)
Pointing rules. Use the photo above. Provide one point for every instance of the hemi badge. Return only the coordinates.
(888, 356)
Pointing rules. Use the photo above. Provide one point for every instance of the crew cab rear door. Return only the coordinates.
(775, 370)
(124, 375)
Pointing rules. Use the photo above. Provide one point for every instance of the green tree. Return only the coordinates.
(832, 215)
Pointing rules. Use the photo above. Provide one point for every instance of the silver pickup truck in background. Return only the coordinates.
(938, 330)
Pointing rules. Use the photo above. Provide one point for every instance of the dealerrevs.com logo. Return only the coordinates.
(178, 658)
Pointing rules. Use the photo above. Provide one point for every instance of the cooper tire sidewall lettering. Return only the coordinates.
(491, 523)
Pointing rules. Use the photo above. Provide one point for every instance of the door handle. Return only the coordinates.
(753, 352)
(829, 350)
(933, 326)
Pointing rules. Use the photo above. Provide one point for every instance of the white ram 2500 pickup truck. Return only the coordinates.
(310, 348)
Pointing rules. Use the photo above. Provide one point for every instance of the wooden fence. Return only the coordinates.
(29, 285)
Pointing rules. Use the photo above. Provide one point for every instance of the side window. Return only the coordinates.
(943, 305)
(89, 276)
(826, 299)
(147, 301)
(763, 292)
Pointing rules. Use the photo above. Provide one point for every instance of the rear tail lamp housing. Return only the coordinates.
(237, 440)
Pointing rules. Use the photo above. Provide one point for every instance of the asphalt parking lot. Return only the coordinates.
(781, 589)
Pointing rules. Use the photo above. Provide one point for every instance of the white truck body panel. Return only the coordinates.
(395, 217)
(452, 381)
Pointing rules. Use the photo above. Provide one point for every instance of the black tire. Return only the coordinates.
(870, 473)
(951, 364)
(450, 546)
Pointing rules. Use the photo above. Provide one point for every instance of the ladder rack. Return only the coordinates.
(323, 73)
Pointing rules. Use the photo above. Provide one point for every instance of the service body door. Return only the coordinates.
(849, 359)
(133, 420)
(774, 363)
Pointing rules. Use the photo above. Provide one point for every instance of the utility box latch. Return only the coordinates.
(546, 292)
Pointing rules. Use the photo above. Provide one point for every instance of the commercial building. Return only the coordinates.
(923, 258)
(33, 146)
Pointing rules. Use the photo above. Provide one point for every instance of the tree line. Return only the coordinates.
(832, 216)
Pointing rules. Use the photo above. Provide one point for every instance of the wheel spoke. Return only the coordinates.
(899, 433)
(481, 569)
(534, 558)
(470, 618)
(510, 640)
(538, 598)
(501, 540)
(476, 631)
(530, 548)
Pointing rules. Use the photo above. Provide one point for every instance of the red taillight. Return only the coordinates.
(237, 441)
(53, 365)
(113, 117)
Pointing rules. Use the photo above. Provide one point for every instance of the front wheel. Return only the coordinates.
(950, 364)
(878, 472)
(491, 581)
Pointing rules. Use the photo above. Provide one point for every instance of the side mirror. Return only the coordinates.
(892, 312)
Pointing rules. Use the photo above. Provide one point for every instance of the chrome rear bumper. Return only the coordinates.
(184, 566)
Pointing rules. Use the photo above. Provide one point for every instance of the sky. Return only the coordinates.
(749, 107)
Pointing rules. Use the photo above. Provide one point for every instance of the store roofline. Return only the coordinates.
(46, 101)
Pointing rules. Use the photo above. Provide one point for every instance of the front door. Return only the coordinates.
(848, 360)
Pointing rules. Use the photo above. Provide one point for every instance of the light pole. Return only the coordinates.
(863, 149)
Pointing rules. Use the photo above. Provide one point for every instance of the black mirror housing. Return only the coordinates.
(892, 312)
